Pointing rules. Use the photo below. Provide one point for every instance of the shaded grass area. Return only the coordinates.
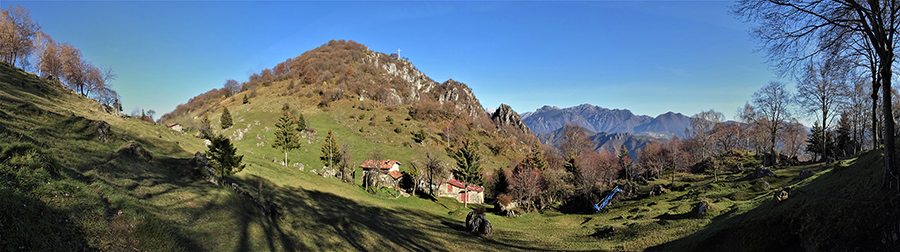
(837, 209)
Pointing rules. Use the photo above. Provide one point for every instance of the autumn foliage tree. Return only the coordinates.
(17, 30)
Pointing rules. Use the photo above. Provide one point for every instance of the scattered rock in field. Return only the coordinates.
(704, 207)
(477, 223)
(761, 173)
(201, 163)
(701, 208)
(298, 166)
(658, 190)
(804, 174)
(206, 142)
(781, 195)
(103, 131)
(135, 150)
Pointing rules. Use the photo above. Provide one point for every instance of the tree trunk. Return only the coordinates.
(285, 158)
(875, 86)
(824, 133)
(889, 148)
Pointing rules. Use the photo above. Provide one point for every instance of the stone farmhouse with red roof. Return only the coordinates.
(463, 193)
(385, 173)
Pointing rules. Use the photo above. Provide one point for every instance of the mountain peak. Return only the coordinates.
(599, 119)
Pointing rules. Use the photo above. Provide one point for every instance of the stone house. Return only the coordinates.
(176, 127)
(382, 173)
(458, 190)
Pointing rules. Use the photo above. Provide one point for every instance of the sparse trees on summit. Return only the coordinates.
(17, 30)
(232, 86)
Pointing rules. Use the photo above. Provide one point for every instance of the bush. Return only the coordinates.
(419, 136)
(398, 130)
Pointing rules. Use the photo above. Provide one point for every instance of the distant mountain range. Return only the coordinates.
(602, 141)
(597, 119)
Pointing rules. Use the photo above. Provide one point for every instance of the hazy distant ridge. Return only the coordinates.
(598, 119)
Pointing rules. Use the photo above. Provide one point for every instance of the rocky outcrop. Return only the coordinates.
(461, 97)
(505, 116)
(103, 131)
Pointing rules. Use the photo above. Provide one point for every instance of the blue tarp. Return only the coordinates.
(605, 201)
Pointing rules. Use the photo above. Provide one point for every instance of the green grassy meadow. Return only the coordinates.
(63, 189)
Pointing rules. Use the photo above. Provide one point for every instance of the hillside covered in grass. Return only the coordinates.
(69, 184)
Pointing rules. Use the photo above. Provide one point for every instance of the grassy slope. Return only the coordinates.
(163, 210)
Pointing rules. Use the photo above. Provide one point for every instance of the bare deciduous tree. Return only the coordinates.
(794, 138)
(822, 90)
(792, 31)
(771, 103)
(232, 86)
(16, 33)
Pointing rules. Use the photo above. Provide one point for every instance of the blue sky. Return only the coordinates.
(647, 56)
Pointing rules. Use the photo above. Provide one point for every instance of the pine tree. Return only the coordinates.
(246, 100)
(301, 123)
(537, 158)
(331, 154)
(222, 156)
(468, 163)
(817, 145)
(226, 119)
(205, 132)
(287, 136)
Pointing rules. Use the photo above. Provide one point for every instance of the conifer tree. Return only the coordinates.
(246, 100)
(222, 156)
(226, 119)
(301, 123)
(537, 158)
(331, 153)
(205, 132)
(287, 136)
(468, 163)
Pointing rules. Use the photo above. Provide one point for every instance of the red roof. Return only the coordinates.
(381, 164)
(460, 184)
(395, 174)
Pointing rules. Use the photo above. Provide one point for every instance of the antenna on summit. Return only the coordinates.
(398, 53)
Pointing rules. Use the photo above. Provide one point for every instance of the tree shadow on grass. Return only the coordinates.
(315, 220)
